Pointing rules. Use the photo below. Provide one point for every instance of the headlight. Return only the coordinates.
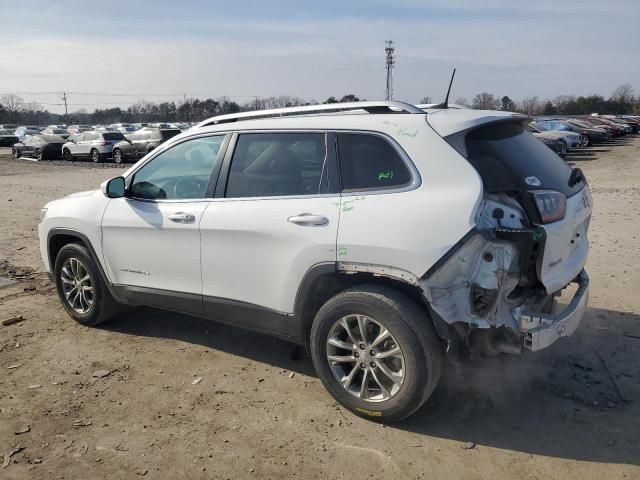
(551, 205)
(43, 213)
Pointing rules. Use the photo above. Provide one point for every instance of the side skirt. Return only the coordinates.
(222, 310)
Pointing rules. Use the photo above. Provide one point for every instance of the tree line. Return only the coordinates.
(13, 109)
(621, 101)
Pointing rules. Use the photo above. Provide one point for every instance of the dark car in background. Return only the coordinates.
(137, 145)
(41, 147)
(7, 138)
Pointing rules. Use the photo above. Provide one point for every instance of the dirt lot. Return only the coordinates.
(570, 412)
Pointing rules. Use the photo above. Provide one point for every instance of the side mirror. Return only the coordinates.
(114, 188)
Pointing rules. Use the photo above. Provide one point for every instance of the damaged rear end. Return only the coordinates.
(496, 288)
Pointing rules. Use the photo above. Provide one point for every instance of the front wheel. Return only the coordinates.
(376, 352)
(80, 288)
(66, 155)
(39, 155)
(14, 153)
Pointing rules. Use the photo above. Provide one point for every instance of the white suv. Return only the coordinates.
(381, 235)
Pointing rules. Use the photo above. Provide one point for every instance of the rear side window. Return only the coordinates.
(167, 134)
(277, 164)
(370, 162)
(113, 136)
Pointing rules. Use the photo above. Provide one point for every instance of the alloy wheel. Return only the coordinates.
(365, 358)
(77, 286)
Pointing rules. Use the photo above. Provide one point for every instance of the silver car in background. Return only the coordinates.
(96, 146)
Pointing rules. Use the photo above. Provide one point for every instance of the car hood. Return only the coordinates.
(87, 193)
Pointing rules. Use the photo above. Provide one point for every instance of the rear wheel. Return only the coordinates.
(376, 352)
(14, 153)
(80, 287)
(39, 155)
(586, 141)
(95, 156)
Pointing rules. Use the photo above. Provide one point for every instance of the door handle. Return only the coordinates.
(181, 217)
(308, 219)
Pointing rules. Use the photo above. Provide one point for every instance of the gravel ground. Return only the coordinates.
(570, 412)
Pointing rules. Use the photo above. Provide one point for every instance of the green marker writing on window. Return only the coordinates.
(385, 175)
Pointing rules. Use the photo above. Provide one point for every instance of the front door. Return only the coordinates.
(151, 241)
(277, 220)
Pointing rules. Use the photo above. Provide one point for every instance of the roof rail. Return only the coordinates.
(369, 107)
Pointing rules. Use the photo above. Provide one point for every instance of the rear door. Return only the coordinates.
(84, 145)
(275, 217)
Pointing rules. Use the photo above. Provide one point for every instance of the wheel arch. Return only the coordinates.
(57, 238)
(325, 280)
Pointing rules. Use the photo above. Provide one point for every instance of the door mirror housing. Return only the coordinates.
(114, 188)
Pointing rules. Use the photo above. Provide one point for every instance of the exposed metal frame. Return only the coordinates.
(369, 107)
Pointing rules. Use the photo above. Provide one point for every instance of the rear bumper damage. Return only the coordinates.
(542, 330)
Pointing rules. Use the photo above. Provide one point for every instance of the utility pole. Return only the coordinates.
(66, 111)
(256, 103)
(389, 48)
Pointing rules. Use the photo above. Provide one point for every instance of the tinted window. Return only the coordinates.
(273, 164)
(180, 172)
(167, 134)
(504, 155)
(113, 136)
(369, 161)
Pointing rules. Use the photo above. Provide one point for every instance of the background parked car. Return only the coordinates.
(8, 126)
(7, 138)
(570, 139)
(61, 132)
(42, 147)
(94, 145)
(137, 145)
(75, 129)
(589, 135)
(24, 132)
(123, 127)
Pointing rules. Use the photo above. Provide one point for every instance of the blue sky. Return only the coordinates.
(158, 51)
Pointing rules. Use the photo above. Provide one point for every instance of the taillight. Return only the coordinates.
(551, 205)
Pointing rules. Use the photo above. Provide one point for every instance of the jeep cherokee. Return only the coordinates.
(383, 236)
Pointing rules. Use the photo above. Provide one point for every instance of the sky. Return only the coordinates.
(113, 53)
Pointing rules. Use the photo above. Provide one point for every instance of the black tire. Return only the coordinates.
(14, 153)
(95, 156)
(103, 306)
(66, 155)
(39, 155)
(586, 142)
(118, 156)
(412, 331)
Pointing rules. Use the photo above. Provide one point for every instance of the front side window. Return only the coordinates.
(181, 172)
(370, 162)
(277, 164)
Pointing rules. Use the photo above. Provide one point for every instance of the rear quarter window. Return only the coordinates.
(370, 162)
